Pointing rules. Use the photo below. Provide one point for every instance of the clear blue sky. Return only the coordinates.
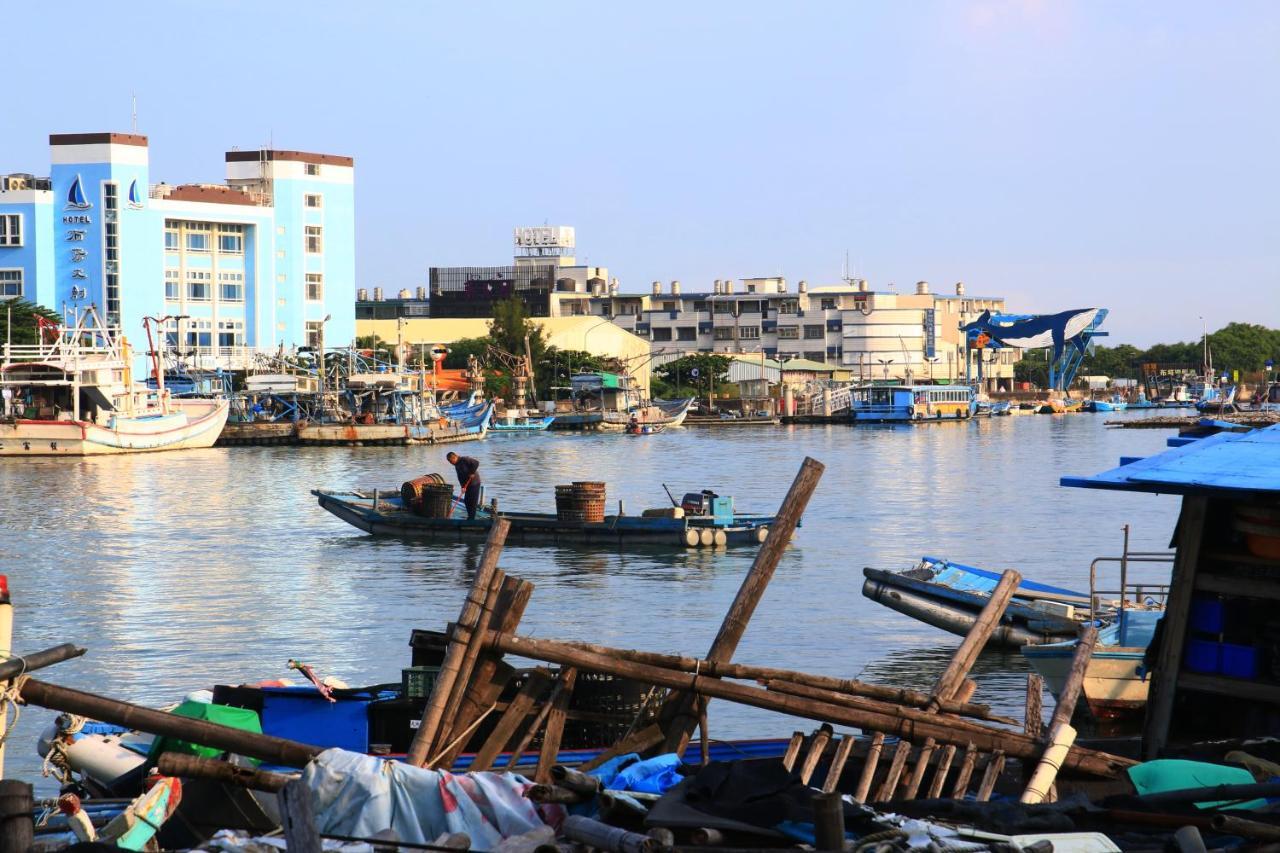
(1060, 154)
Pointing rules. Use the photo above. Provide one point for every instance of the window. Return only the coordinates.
(749, 333)
(700, 305)
(10, 282)
(11, 229)
(313, 169)
(110, 197)
(723, 308)
(231, 286)
(172, 285)
(231, 333)
(752, 307)
(313, 334)
(197, 239)
(231, 240)
(171, 239)
(199, 333)
(788, 306)
(199, 286)
(814, 332)
(816, 355)
(662, 333)
(724, 333)
(313, 200)
(828, 303)
(315, 286)
(315, 239)
(113, 241)
(788, 333)
(687, 333)
(668, 306)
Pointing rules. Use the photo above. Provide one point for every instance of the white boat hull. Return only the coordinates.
(1112, 686)
(192, 424)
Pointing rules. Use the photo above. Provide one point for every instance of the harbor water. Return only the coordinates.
(181, 570)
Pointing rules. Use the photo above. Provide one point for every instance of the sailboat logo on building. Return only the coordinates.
(135, 197)
(75, 196)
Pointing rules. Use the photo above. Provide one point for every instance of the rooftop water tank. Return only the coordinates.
(922, 288)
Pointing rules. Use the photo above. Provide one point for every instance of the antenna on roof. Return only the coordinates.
(133, 99)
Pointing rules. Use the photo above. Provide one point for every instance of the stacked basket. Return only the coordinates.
(580, 502)
(429, 496)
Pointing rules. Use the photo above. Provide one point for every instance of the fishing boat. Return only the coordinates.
(1001, 408)
(73, 394)
(709, 521)
(1115, 683)
(908, 403)
(1115, 404)
(660, 413)
(644, 429)
(950, 596)
(514, 420)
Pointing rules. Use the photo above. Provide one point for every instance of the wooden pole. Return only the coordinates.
(965, 656)
(944, 730)
(817, 746)
(793, 750)
(531, 730)
(646, 738)
(530, 691)
(679, 707)
(22, 664)
(867, 704)
(890, 783)
(249, 744)
(869, 768)
(828, 821)
(491, 674)
(195, 767)
(468, 620)
(555, 724)
(966, 772)
(1071, 688)
(994, 768)
(837, 763)
(472, 645)
(17, 827)
(297, 818)
(896, 695)
(1034, 722)
(704, 735)
(943, 768)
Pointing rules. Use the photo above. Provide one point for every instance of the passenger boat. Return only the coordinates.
(383, 513)
(1115, 684)
(75, 396)
(907, 403)
(950, 596)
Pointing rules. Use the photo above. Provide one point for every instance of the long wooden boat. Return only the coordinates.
(381, 513)
(950, 595)
(471, 426)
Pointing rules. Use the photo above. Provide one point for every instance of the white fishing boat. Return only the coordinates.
(73, 394)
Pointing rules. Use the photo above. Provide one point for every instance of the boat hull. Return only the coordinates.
(1112, 686)
(194, 424)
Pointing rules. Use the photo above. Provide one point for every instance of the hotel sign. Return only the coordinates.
(545, 237)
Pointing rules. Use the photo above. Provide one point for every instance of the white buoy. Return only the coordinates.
(762, 533)
(721, 538)
(706, 537)
(691, 538)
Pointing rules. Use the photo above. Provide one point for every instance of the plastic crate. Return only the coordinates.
(1207, 615)
(1239, 661)
(1203, 656)
(417, 682)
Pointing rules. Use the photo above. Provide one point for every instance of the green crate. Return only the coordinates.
(417, 682)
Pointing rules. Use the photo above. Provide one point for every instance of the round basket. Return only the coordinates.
(437, 501)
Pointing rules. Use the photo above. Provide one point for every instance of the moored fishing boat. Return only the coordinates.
(74, 395)
(908, 403)
(516, 421)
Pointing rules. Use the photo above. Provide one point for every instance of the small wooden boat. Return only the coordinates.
(643, 429)
(1115, 684)
(382, 513)
(950, 595)
(521, 423)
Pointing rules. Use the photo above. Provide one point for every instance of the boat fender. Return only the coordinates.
(720, 538)
(80, 824)
(706, 537)
(691, 538)
(762, 533)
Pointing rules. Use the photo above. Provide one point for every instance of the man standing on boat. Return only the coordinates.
(468, 471)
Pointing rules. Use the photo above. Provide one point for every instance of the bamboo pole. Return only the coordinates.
(868, 704)
(646, 738)
(869, 768)
(793, 750)
(679, 707)
(468, 620)
(473, 643)
(1034, 719)
(890, 783)
(196, 767)
(559, 706)
(896, 695)
(530, 691)
(704, 735)
(491, 674)
(817, 746)
(943, 768)
(974, 641)
(1070, 695)
(837, 763)
(966, 772)
(531, 730)
(828, 821)
(249, 744)
(994, 768)
(944, 730)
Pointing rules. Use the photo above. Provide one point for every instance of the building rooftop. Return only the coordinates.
(98, 139)
(294, 156)
(1231, 463)
(808, 364)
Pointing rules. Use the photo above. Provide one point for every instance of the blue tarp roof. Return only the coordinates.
(1226, 462)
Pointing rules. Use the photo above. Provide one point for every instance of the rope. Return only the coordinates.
(11, 698)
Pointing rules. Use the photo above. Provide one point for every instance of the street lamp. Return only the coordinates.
(931, 361)
(885, 362)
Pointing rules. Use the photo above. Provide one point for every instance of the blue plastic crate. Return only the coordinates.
(1207, 615)
(302, 714)
(1202, 656)
(1239, 661)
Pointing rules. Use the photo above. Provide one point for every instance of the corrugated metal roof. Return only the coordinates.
(808, 365)
(1227, 462)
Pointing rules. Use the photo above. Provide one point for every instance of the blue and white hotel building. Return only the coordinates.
(252, 264)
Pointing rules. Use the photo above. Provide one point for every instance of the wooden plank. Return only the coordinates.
(468, 620)
(1168, 658)
(1222, 685)
(1243, 586)
(838, 762)
(1033, 723)
(967, 654)
(297, 818)
(917, 772)
(640, 741)
(817, 746)
(559, 706)
(966, 772)
(940, 774)
(994, 768)
(534, 687)
(1074, 685)
(678, 711)
(704, 734)
(890, 784)
(793, 750)
(869, 768)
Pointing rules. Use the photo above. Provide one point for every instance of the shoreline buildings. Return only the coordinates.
(263, 261)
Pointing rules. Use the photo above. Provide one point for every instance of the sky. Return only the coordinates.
(1059, 154)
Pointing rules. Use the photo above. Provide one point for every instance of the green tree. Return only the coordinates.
(382, 350)
(20, 319)
(678, 374)
(557, 366)
(511, 325)
(462, 349)
(1033, 367)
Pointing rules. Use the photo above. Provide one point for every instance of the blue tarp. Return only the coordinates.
(655, 775)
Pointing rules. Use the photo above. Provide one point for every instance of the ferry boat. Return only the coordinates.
(75, 395)
(906, 403)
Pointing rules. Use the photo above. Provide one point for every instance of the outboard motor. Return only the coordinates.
(698, 503)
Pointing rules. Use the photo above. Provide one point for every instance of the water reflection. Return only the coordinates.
(178, 570)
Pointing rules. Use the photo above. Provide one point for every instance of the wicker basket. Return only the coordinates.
(581, 502)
